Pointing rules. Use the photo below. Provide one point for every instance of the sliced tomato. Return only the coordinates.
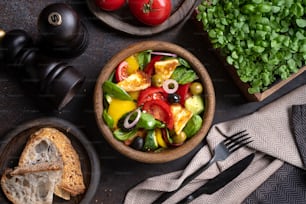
(160, 111)
(184, 93)
(149, 69)
(122, 71)
(151, 93)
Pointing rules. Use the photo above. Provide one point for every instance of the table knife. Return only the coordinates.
(220, 180)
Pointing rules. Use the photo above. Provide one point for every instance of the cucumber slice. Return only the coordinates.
(150, 141)
(193, 126)
(194, 104)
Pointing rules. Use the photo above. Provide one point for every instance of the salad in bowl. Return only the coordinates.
(154, 101)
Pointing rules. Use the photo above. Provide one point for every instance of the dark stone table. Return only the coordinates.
(118, 173)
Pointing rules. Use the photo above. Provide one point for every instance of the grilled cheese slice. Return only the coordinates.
(165, 68)
(180, 116)
(135, 82)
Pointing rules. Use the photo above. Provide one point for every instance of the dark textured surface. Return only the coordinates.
(118, 173)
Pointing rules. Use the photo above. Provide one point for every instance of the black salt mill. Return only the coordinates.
(53, 80)
(61, 32)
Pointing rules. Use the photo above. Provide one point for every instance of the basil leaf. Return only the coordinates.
(115, 91)
(144, 58)
(183, 75)
(111, 77)
(183, 62)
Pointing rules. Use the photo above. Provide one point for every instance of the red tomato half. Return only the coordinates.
(160, 111)
(110, 5)
(121, 71)
(151, 12)
(151, 93)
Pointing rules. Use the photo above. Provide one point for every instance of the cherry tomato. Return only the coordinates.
(122, 71)
(160, 111)
(110, 5)
(151, 93)
(183, 92)
(151, 12)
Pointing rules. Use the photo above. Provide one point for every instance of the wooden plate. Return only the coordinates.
(123, 20)
(14, 142)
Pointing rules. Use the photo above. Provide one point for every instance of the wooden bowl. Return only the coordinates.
(123, 20)
(169, 154)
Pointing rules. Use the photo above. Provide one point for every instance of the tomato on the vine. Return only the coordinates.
(151, 12)
(110, 5)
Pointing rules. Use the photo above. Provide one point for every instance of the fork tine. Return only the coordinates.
(240, 145)
(235, 138)
(237, 141)
(234, 135)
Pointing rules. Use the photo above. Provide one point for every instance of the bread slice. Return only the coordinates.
(51, 145)
(31, 184)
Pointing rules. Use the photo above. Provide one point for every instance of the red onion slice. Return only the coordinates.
(170, 86)
(164, 54)
(127, 123)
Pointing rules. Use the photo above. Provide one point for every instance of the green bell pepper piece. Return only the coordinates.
(122, 136)
(148, 122)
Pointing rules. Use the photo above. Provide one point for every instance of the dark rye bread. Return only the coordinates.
(50, 145)
(31, 184)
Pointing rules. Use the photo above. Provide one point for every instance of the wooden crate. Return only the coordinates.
(260, 96)
(233, 73)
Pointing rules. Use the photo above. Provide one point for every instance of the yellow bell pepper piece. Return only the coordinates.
(134, 94)
(160, 141)
(133, 65)
(117, 108)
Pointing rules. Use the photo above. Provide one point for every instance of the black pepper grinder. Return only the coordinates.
(50, 79)
(61, 32)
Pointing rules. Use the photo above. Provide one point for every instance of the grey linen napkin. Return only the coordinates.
(288, 183)
(273, 141)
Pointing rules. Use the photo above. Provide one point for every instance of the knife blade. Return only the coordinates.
(220, 180)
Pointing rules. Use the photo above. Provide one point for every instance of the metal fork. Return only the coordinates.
(221, 152)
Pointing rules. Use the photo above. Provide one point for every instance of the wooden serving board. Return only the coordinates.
(124, 21)
(233, 73)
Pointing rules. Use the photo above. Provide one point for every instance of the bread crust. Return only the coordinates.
(60, 145)
(31, 185)
(36, 168)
